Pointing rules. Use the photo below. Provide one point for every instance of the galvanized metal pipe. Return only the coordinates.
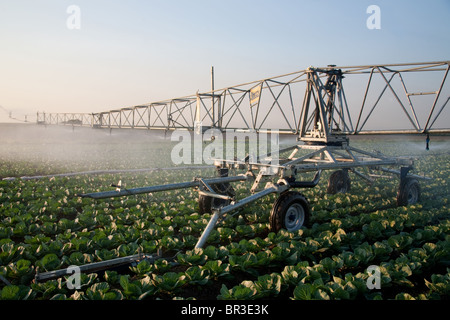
(158, 188)
(220, 212)
(95, 266)
(251, 198)
(397, 172)
(345, 165)
(211, 224)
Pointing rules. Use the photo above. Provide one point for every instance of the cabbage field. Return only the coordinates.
(45, 225)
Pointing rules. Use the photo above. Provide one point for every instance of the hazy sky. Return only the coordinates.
(127, 53)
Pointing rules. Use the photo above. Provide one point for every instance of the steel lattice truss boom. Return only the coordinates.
(389, 98)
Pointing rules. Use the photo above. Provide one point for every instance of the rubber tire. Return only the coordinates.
(408, 192)
(339, 182)
(281, 207)
(205, 203)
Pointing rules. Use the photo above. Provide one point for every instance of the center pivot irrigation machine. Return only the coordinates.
(324, 126)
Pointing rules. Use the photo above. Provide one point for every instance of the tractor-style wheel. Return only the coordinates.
(408, 192)
(290, 211)
(339, 182)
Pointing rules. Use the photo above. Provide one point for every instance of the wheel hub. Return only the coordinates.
(295, 217)
(413, 195)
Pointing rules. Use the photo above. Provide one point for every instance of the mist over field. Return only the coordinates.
(57, 149)
(45, 225)
(30, 150)
(398, 145)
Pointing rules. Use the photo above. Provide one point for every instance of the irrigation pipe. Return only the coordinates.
(71, 174)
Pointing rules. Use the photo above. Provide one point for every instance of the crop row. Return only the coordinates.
(45, 226)
(327, 279)
(248, 256)
(119, 231)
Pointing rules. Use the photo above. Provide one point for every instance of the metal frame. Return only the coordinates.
(286, 173)
(323, 126)
(254, 104)
(96, 266)
(277, 178)
(73, 119)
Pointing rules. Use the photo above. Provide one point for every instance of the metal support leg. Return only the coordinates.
(221, 211)
(403, 173)
(211, 224)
